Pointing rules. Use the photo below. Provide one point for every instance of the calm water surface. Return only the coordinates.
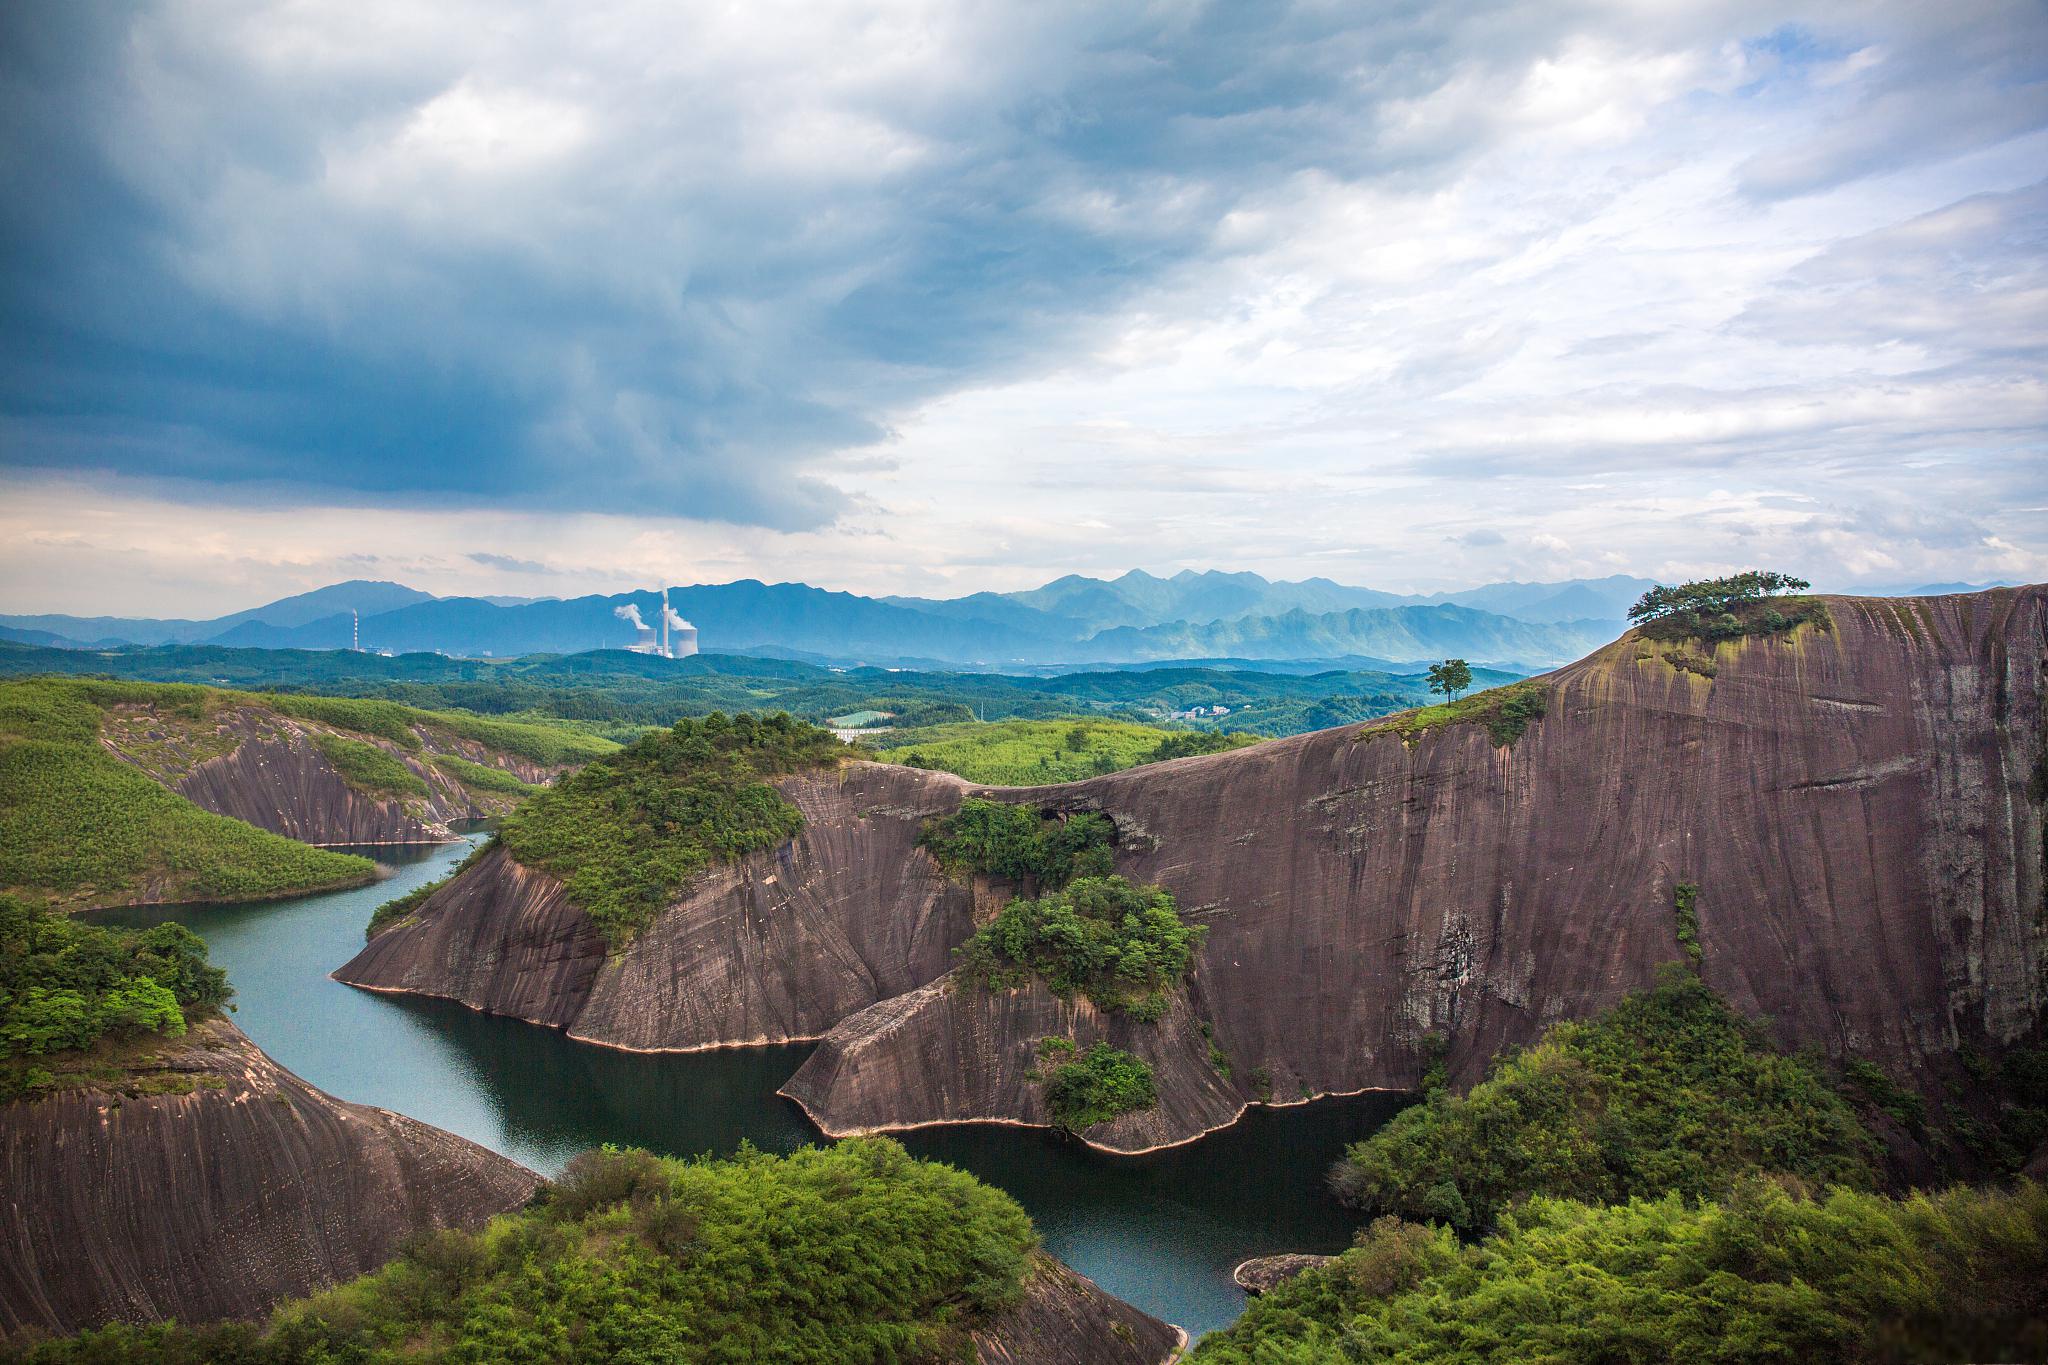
(1162, 1231)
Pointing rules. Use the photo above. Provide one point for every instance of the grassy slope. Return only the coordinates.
(80, 828)
(1018, 753)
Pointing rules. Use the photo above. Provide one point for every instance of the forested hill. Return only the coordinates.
(121, 792)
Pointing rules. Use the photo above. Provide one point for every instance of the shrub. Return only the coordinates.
(627, 832)
(1123, 946)
(1669, 1090)
(998, 839)
(1095, 1087)
(1685, 910)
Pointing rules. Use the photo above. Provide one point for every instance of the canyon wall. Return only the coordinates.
(249, 1187)
(1857, 806)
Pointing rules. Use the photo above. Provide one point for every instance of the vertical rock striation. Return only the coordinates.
(250, 1188)
(1853, 804)
(1856, 806)
(774, 947)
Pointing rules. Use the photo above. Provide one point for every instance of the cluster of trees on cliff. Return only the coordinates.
(855, 1252)
(66, 985)
(1724, 608)
(1021, 843)
(628, 831)
(1122, 945)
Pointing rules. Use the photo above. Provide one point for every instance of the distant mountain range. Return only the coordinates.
(1136, 618)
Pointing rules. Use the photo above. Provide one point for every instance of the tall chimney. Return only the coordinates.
(664, 625)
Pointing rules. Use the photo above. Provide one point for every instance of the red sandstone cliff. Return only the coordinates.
(1856, 806)
(250, 1188)
(778, 946)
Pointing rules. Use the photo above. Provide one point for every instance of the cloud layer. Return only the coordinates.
(931, 293)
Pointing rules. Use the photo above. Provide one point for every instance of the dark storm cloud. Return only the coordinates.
(640, 258)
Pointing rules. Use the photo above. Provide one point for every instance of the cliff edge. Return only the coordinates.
(238, 1188)
(1845, 820)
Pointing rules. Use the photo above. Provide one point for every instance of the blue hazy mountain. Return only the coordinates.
(1135, 618)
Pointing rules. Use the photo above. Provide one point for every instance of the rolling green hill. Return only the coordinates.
(81, 827)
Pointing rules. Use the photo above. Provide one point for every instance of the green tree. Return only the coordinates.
(1450, 677)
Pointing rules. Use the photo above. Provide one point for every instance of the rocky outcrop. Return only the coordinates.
(775, 947)
(874, 1072)
(1064, 1319)
(247, 1188)
(1261, 1273)
(266, 768)
(1853, 805)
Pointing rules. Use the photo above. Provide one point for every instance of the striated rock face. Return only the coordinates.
(1066, 1320)
(266, 769)
(1854, 805)
(776, 947)
(952, 1051)
(251, 1188)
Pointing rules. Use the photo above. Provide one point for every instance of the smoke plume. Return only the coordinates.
(630, 614)
(676, 621)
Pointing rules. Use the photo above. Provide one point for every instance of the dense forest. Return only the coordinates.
(1658, 1183)
(72, 993)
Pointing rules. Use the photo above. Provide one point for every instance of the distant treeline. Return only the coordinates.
(617, 693)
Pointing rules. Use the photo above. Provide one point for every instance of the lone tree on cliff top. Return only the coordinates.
(1713, 596)
(1450, 677)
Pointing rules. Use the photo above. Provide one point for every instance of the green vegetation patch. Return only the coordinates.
(368, 769)
(854, 1252)
(997, 839)
(1764, 1274)
(1506, 712)
(1669, 1090)
(549, 745)
(1097, 1086)
(628, 831)
(66, 985)
(1123, 946)
(386, 720)
(79, 827)
(1019, 753)
(481, 777)
(399, 910)
(1715, 609)
(1685, 912)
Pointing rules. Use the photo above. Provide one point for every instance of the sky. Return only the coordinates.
(920, 297)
